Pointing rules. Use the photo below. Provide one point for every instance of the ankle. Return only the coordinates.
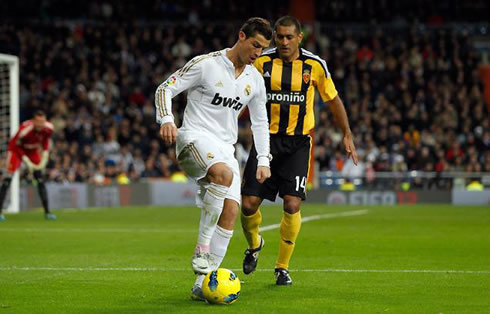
(201, 248)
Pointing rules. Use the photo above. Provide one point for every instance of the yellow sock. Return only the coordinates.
(250, 226)
(290, 225)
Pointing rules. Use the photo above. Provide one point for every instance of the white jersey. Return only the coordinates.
(215, 100)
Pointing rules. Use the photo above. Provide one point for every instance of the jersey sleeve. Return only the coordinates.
(260, 125)
(186, 77)
(46, 141)
(323, 81)
(259, 64)
(14, 141)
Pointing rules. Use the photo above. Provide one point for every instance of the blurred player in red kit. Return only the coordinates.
(31, 146)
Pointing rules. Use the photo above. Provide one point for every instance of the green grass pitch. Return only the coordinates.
(389, 259)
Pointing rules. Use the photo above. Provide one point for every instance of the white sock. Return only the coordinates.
(219, 244)
(199, 280)
(211, 209)
(218, 247)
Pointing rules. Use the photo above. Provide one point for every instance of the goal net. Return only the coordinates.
(9, 121)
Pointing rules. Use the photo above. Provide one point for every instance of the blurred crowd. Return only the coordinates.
(366, 11)
(414, 98)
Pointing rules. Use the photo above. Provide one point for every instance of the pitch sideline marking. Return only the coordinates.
(318, 217)
(265, 228)
(101, 230)
(326, 270)
(129, 230)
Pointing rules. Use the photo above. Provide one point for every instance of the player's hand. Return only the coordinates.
(41, 166)
(30, 166)
(44, 161)
(263, 173)
(350, 148)
(168, 133)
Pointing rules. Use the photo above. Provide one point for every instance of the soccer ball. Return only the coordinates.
(221, 286)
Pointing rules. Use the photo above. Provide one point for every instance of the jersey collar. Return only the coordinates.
(230, 64)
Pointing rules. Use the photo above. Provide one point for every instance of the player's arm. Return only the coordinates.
(30, 165)
(329, 94)
(15, 143)
(340, 116)
(46, 145)
(188, 76)
(260, 130)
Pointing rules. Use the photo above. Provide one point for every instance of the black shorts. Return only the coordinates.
(289, 168)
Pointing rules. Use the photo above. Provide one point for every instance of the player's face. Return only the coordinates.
(39, 122)
(287, 41)
(252, 47)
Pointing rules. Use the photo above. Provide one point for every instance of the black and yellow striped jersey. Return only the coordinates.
(291, 90)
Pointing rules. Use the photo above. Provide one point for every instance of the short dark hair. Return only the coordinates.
(39, 113)
(288, 21)
(256, 25)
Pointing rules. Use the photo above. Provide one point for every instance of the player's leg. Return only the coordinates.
(224, 231)
(220, 178)
(219, 243)
(252, 191)
(3, 193)
(35, 157)
(13, 163)
(203, 159)
(294, 172)
(253, 194)
(224, 228)
(289, 230)
(251, 218)
(43, 194)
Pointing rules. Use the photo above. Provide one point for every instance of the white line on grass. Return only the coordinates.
(163, 230)
(327, 270)
(318, 217)
(98, 230)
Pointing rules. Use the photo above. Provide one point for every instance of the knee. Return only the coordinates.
(250, 205)
(292, 206)
(220, 174)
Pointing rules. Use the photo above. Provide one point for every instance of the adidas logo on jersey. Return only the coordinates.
(219, 84)
(266, 74)
(227, 102)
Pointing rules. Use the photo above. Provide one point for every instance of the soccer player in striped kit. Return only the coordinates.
(220, 85)
(291, 76)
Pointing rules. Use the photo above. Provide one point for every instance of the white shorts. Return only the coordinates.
(196, 153)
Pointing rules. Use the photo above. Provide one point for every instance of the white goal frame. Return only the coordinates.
(13, 64)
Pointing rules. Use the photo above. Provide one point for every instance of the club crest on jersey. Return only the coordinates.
(247, 90)
(227, 102)
(306, 76)
(209, 156)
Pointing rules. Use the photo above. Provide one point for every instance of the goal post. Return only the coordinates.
(9, 117)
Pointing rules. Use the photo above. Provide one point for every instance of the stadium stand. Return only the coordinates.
(414, 98)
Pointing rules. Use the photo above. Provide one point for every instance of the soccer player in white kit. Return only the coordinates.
(220, 85)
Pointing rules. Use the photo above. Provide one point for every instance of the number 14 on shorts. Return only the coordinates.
(300, 183)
